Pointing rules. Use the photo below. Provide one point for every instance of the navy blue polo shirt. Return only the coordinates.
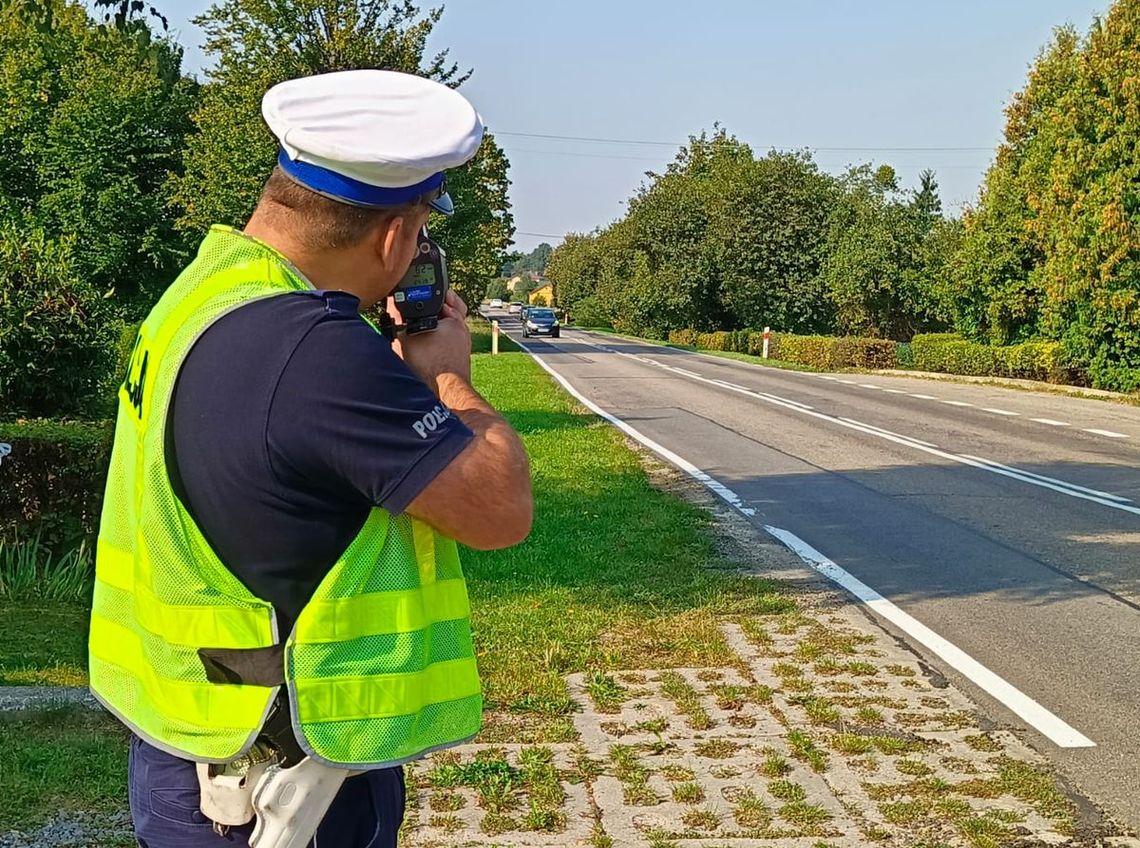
(291, 418)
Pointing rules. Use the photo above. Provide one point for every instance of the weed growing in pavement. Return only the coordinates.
(701, 819)
(717, 749)
(688, 701)
(751, 812)
(607, 694)
(785, 790)
(774, 764)
(984, 742)
(804, 748)
(806, 817)
(688, 793)
(634, 777)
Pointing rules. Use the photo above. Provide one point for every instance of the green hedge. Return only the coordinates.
(948, 353)
(813, 351)
(51, 484)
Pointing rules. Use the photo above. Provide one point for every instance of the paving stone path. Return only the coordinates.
(817, 731)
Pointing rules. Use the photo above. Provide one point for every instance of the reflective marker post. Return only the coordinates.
(767, 336)
(494, 337)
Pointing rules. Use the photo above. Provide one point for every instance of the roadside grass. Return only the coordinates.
(43, 643)
(67, 759)
(614, 575)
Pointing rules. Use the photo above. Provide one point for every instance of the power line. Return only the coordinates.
(676, 144)
(584, 155)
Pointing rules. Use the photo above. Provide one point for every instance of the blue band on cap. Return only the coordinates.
(344, 188)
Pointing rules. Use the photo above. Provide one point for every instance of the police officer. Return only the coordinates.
(276, 570)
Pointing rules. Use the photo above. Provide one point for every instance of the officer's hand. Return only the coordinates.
(445, 351)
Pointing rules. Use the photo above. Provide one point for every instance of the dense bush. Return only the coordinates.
(951, 354)
(713, 341)
(814, 351)
(52, 482)
(589, 312)
(59, 335)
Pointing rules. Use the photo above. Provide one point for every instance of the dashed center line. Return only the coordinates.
(1050, 422)
(957, 403)
(849, 382)
(894, 391)
(999, 411)
(1109, 433)
(923, 397)
(867, 386)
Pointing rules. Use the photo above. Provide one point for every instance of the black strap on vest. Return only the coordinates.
(245, 666)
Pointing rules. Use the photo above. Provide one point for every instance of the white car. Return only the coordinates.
(515, 308)
(497, 303)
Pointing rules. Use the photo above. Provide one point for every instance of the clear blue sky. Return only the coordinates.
(846, 74)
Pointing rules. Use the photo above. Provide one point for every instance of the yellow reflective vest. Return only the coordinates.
(380, 665)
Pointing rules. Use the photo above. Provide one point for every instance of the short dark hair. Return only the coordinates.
(321, 222)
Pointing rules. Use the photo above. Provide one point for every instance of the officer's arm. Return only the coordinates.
(482, 498)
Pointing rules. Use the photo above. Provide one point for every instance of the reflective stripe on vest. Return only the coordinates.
(380, 665)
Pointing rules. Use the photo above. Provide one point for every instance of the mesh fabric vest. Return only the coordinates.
(380, 665)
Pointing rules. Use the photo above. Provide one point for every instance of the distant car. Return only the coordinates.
(526, 307)
(497, 303)
(515, 308)
(541, 321)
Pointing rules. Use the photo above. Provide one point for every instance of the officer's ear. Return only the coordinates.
(397, 237)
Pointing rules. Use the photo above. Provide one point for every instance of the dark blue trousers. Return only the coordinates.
(164, 806)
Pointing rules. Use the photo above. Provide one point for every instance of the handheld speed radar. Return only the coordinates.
(419, 295)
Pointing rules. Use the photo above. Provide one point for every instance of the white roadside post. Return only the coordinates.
(767, 336)
(494, 337)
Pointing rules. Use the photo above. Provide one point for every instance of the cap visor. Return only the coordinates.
(443, 204)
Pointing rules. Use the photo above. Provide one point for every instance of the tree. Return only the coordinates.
(574, 268)
(99, 116)
(997, 294)
(58, 333)
(535, 261)
(1088, 218)
(769, 233)
(876, 271)
(926, 201)
(257, 45)
(496, 290)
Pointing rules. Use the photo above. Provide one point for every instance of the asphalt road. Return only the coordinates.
(1005, 521)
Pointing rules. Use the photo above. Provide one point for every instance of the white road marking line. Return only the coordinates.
(1045, 722)
(957, 403)
(1021, 704)
(923, 397)
(999, 411)
(1069, 489)
(1050, 422)
(1108, 433)
(686, 373)
(867, 386)
(728, 385)
(889, 432)
(847, 382)
(894, 391)
(785, 400)
(1023, 473)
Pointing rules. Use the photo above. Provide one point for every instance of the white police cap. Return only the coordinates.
(372, 138)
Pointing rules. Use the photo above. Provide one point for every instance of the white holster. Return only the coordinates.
(289, 803)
